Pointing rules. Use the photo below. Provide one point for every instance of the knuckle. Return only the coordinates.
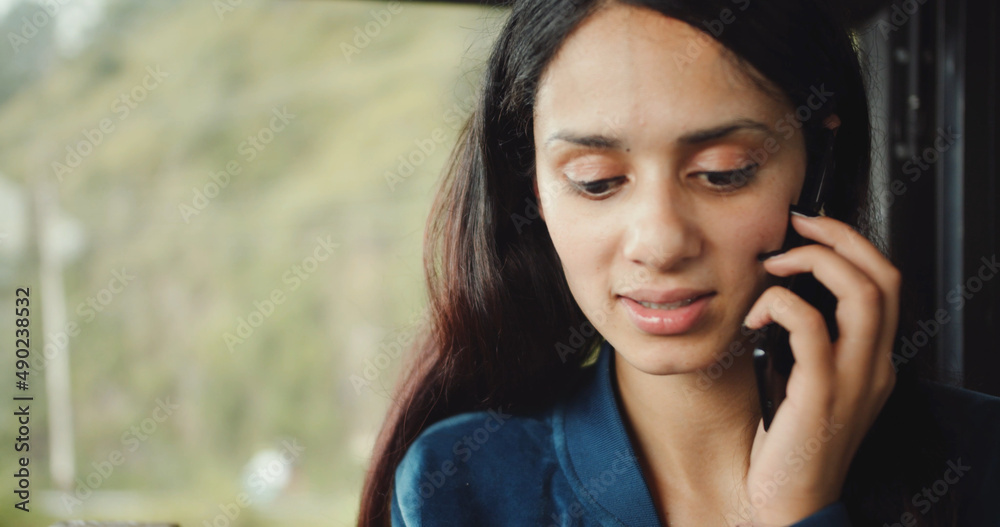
(847, 234)
(774, 294)
(783, 300)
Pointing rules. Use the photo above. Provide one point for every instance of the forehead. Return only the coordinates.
(627, 67)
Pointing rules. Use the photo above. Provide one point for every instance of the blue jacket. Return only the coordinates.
(573, 465)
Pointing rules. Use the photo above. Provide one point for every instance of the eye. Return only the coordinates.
(730, 180)
(597, 189)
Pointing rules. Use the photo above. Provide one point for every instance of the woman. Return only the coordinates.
(592, 256)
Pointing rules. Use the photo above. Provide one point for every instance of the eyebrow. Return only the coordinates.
(695, 137)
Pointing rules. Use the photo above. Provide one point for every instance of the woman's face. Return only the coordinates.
(639, 122)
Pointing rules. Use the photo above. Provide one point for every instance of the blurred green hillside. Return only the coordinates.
(132, 135)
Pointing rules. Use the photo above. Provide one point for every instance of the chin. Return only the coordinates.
(659, 355)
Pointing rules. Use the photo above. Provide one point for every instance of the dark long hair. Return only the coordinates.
(499, 305)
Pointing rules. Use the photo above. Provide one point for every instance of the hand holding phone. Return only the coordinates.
(843, 372)
(772, 357)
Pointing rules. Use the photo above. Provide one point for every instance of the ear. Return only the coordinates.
(832, 122)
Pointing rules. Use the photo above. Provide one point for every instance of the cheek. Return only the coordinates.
(574, 242)
(759, 225)
(585, 249)
(743, 236)
(766, 233)
(567, 225)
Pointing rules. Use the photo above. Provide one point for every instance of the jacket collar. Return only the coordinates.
(596, 453)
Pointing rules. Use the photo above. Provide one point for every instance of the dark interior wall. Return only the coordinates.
(941, 185)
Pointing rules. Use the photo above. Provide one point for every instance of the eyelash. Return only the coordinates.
(733, 176)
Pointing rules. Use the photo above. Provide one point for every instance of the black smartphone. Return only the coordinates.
(772, 354)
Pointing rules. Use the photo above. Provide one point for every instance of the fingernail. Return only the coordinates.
(768, 255)
(802, 212)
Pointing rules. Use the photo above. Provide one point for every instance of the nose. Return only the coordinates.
(662, 232)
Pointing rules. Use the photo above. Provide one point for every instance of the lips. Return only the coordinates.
(675, 311)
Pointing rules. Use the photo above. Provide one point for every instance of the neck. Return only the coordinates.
(692, 434)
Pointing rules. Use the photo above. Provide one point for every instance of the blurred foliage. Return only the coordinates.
(323, 176)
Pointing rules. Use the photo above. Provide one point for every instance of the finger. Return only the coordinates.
(859, 303)
(807, 335)
(850, 244)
